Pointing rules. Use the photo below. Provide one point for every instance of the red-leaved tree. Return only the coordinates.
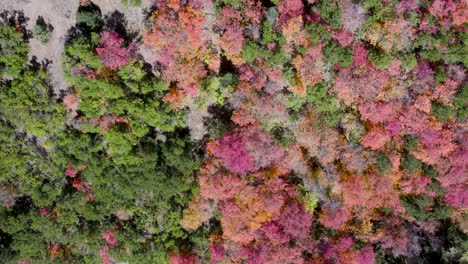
(111, 52)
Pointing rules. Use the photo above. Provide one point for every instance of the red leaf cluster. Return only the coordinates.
(111, 52)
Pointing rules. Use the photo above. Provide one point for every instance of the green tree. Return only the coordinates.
(42, 31)
(13, 52)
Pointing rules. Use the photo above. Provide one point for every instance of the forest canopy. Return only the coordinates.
(227, 131)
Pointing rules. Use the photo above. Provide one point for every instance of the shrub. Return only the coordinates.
(133, 3)
(42, 31)
(89, 19)
(383, 164)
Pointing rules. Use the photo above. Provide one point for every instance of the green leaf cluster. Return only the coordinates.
(42, 33)
(417, 206)
(330, 12)
(89, 18)
(318, 96)
(13, 52)
(457, 110)
(383, 163)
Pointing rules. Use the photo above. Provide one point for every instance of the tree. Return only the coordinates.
(71, 102)
(42, 31)
(37, 113)
(180, 44)
(379, 112)
(232, 39)
(14, 52)
(217, 184)
(198, 212)
(375, 138)
(109, 237)
(89, 18)
(111, 53)
(309, 69)
(232, 151)
(294, 220)
(289, 9)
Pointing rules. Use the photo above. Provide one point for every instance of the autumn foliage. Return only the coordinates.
(112, 53)
(230, 131)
